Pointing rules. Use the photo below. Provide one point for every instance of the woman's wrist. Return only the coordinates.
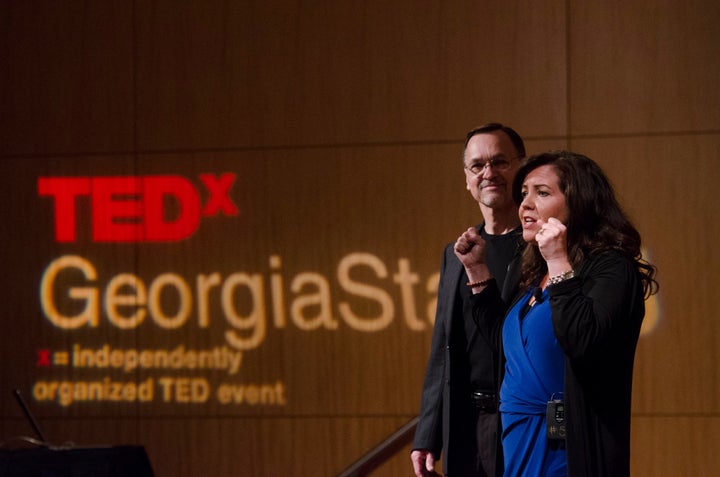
(558, 267)
(561, 277)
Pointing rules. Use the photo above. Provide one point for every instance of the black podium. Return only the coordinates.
(112, 461)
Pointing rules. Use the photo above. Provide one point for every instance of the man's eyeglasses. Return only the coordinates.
(499, 163)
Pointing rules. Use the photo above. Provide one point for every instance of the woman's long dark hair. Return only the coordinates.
(596, 222)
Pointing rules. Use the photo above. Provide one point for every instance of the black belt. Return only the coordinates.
(484, 401)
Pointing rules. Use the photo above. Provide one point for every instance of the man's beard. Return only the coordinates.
(493, 198)
(492, 201)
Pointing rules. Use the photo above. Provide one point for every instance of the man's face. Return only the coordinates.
(491, 186)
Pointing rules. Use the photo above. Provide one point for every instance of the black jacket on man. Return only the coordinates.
(446, 422)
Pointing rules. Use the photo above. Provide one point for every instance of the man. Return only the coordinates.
(458, 413)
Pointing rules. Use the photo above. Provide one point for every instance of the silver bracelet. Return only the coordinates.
(562, 277)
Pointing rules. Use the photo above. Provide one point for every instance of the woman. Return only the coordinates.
(569, 341)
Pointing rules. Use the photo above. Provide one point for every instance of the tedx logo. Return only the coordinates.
(151, 208)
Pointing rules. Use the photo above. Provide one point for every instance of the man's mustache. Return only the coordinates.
(487, 183)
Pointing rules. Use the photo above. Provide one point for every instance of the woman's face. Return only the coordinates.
(542, 199)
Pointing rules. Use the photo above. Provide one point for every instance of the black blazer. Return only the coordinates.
(434, 427)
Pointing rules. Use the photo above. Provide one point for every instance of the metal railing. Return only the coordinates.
(382, 452)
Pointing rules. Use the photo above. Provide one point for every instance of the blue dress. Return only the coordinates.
(533, 375)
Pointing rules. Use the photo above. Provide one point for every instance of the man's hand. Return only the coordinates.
(423, 463)
(470, 248)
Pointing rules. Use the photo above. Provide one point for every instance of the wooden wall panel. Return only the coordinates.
(244, 74)
(67, 84)
(685, 444)
(639, 67)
